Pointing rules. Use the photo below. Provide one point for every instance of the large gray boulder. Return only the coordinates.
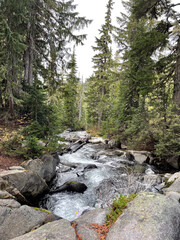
(45, 167)
(16, 220)
(174, 161)
(149, 216)
(57, 230)
(29, 183)
(84, 224)
(140, 156)
(172, 188)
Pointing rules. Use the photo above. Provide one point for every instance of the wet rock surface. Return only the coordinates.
(71, 187)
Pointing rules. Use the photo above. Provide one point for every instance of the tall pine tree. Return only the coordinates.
(103, 63)
(71, 95)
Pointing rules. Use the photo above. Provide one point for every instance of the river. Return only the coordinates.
(105, 174)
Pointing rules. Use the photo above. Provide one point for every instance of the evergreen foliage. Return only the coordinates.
(102, 77)
(70, 95)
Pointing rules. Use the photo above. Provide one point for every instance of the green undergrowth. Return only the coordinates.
(118, 205)
(19, 143)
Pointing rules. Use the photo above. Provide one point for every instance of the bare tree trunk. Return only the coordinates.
(176, 95)
(29, 58)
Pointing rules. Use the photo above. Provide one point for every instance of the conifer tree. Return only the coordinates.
(71, 95)
(34, 44)
(102, 69)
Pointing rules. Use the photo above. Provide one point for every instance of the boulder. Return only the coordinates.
(18, 220)
(57, 230)
(5, 195)
(11, 203)
(174, 195)
(15, 193)
(111, 144)
(85, 223)
(149, 216)
(129, 156)
(174, 187)
(140, 156)
(174, 177)
(29, 183)
(71, 187)
(174, 161)
(45, 167)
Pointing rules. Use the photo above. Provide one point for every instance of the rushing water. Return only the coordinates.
(105, 175)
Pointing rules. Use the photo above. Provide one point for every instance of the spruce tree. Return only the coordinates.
(71, 95)
(102, 70)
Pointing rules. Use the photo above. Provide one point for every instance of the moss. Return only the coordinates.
(169, 183)
(41, 209)
(73, 182)
(6, 196)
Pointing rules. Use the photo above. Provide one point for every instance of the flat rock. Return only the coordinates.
(57, 230)
(17, 221)
(149, 216)
(84, 223)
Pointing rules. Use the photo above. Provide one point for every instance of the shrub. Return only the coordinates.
(117, 207)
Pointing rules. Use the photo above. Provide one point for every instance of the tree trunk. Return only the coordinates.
(29, 58)
(176, 95)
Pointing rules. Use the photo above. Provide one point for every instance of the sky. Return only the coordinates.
(94, 10)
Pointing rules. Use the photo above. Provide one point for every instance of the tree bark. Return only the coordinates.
(28, 61)
(176, 95)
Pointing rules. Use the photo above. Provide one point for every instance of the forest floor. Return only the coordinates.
(5, 160)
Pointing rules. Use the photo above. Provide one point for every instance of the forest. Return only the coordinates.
(132, 96)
